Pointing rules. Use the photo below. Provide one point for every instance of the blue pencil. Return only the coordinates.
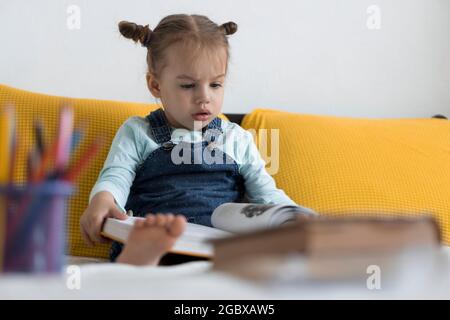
(76, 138)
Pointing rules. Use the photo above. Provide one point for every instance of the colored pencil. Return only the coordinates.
(85, 159)
(64, 138)
(35, 209)
(39, 136)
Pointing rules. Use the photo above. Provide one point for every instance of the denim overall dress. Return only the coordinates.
(191, 188)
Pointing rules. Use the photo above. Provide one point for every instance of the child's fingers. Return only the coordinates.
(96, 238)
(86, 238)
(116, 213)
(105, 240)
(95, 229)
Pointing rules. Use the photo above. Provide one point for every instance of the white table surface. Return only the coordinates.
(196, 280)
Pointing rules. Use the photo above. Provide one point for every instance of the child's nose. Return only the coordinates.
(203, 96)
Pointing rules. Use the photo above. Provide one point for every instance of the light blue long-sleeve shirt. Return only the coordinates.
(134, 142)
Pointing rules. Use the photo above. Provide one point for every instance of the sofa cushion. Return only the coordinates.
(362, 166)
(101, 117)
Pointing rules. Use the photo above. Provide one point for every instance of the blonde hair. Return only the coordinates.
(196, 31)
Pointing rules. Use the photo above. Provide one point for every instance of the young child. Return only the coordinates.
(146, 169)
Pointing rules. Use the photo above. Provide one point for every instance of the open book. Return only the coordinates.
(227, 219)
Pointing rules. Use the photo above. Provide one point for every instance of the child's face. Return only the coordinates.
(191, 85)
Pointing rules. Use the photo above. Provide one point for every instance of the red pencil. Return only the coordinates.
(76, 169)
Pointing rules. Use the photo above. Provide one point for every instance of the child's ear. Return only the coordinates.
(153, 85)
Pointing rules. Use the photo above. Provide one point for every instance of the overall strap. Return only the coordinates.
(213, 129)
(159, 126)
(216, 123)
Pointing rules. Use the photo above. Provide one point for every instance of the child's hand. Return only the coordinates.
(102, 206)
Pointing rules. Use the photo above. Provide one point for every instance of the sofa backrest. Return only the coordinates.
(347, 166)
(239, 117)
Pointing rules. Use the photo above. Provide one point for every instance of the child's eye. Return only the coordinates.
(189, 86)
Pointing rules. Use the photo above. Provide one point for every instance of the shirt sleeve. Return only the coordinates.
(119, 169)
(260, 186)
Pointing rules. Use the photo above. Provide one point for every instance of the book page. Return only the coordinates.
(193, 241)
(245, 217)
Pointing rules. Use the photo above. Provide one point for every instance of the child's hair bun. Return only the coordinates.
(229, 27)
(136, 32)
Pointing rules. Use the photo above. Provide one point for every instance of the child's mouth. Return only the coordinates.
(201, 116)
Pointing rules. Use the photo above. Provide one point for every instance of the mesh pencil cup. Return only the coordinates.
(35, 226)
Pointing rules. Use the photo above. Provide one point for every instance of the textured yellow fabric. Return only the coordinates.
(101, 118)
(362, 166)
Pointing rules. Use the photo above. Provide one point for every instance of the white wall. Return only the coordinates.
(308, 56)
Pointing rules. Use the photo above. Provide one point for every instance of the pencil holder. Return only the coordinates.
(35, 226)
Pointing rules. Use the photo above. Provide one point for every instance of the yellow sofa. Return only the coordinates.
(340, 166)
(333, 165)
